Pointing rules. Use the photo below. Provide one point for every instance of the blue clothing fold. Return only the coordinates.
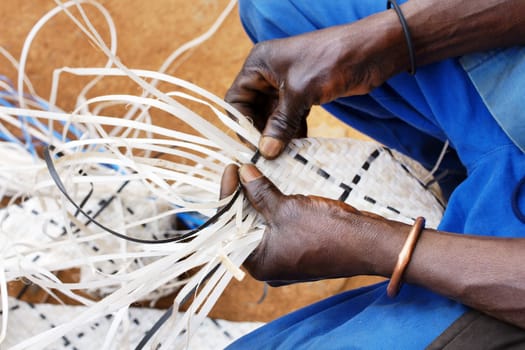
(498, 77)
(415, 115)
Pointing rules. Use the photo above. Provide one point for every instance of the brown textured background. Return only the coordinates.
(148, 31)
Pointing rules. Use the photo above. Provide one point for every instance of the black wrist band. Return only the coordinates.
(408, 38)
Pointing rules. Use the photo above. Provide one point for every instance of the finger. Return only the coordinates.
(286, 122)
(261, 192)
(229, 180)
(251, 94)
(280, 283)
(303, 128)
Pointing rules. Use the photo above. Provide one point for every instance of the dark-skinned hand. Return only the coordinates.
(307, 237)
(282, 79)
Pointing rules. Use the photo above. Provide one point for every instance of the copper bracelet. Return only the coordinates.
(404, 257)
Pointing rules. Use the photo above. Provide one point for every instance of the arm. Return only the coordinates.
(309, 238)
(442, 29)
(282, 79)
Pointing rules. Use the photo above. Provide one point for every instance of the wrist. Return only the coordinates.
(382, 46)
(392, 4)
(369, 244)
(387, 240)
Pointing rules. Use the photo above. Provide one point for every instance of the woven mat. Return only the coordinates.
(31, 319)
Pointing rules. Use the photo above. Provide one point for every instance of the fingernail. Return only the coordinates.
(270, 147)
(248, 173)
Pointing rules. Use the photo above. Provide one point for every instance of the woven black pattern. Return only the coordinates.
(347, 187)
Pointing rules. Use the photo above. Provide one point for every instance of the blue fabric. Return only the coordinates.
(415, 115)
(498, 77)
(359, 319)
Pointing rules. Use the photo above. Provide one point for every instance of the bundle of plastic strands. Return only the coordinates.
(100, 193)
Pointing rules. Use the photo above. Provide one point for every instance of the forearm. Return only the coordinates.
(309, 238)
(439, 30)
(450, 28)
(484, 273)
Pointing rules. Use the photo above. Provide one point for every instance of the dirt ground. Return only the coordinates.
(148, 31)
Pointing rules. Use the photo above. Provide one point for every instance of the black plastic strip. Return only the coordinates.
(300, 159)
(323, 173)
(56, 178)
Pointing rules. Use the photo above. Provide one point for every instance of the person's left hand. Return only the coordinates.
(307, 237)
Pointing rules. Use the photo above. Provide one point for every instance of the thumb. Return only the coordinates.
(286, 122)
(261, 192)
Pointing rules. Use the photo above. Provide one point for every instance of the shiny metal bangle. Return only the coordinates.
(404, 257)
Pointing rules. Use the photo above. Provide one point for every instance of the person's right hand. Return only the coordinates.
(282, 79)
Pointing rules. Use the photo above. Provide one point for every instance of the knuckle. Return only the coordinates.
(282, 121)
(230, 95)
(283, 125)
(261, 50)
(256, 60)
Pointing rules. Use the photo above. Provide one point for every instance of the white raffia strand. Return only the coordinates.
(149, 173)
